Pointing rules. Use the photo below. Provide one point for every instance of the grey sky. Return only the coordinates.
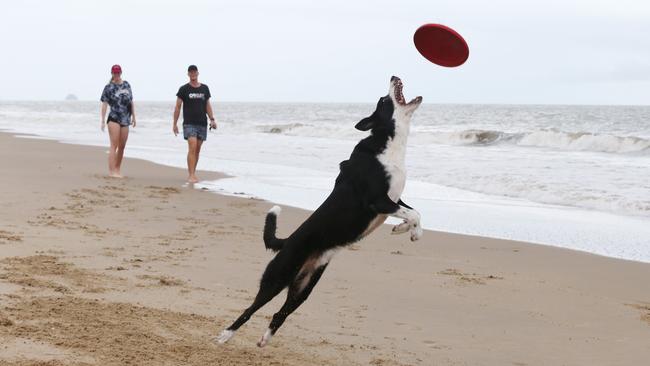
(550, 51)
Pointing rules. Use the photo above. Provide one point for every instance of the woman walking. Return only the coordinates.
(117, 94)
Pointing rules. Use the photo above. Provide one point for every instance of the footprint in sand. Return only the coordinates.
(162, 192)
(161, 280)
(645, 311)
(469, 278)
(9, 237)
(47, 272)
(435, 345)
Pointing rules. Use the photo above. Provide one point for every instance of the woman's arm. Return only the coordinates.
(133, 113)
(132, 105)
(103, 115)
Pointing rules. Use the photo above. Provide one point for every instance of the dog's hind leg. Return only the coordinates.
(298, 292)
(266, 293)
(272, 283)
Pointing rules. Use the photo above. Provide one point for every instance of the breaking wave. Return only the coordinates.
(555, 139)
(279, 128)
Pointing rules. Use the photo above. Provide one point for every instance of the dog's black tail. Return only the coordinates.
(271, 223)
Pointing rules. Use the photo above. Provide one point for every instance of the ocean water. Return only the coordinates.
(571, 176)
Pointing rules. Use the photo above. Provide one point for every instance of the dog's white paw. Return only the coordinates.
(401, 228)
(416, 232)
(275, 210)
(265, 339)
(224, 336)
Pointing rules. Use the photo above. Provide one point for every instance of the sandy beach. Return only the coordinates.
(145, 271)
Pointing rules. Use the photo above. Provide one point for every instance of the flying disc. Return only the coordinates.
(441, 45)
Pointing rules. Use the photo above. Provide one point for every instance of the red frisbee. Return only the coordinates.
(441, 45)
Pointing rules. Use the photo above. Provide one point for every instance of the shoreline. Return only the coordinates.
(173, 255)
(442, 208)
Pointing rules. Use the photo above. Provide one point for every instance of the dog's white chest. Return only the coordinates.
(396, 183)
(393, 161)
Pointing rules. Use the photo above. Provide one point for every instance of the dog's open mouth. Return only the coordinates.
(399, 95)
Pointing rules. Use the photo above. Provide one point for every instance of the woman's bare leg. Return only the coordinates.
(124, 135)
(114, 136)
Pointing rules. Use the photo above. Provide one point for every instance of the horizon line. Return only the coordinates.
(338, 102)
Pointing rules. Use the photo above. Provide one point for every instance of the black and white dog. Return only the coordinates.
(367, 191)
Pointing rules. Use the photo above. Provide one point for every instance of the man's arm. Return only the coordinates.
(177, 113)
(208, 108)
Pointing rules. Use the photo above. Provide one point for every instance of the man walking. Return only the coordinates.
(195, 99)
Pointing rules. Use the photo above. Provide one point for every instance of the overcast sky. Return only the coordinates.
(546, 52)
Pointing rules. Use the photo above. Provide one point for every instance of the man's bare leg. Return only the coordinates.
(194, 148)
(199, 143)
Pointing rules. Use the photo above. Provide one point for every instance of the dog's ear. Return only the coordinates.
(366, 123)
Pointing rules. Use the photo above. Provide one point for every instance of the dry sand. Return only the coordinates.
(144, 271)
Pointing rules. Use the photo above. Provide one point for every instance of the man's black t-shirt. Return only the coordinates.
(195, 101)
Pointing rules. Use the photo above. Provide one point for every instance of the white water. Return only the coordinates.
(575, 177)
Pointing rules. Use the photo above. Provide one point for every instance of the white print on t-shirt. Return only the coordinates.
(122, 91)
(196, 96)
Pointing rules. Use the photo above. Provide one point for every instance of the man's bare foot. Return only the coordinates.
(116, 175)
(193, 179)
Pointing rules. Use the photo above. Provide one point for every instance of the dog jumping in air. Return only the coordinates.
(367, 190)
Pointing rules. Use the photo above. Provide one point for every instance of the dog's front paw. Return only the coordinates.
(224, 336)
(416, 232)
(401, 228)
